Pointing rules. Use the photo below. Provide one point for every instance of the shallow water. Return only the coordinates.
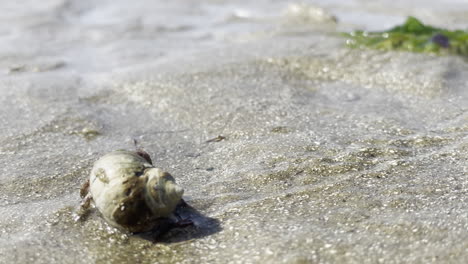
(330, 155)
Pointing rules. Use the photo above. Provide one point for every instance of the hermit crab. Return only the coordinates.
(132, 194)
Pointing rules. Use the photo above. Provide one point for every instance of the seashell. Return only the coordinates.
(130, 192)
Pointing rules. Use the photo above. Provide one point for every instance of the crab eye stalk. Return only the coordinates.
(144, 155)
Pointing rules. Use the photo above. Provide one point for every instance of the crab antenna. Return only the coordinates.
(141, 152)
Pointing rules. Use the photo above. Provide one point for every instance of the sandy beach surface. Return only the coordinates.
(291, 147)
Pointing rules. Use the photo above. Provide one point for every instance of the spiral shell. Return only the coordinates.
(131, 193)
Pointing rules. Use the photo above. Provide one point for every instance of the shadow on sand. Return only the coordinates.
(192, 224)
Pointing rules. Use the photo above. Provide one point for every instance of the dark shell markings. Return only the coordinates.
(130, 193)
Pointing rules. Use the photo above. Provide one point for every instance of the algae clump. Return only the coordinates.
(413, 36)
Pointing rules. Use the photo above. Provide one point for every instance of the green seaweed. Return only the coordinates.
(413, 36)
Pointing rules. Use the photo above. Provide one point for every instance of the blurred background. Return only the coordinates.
(293, 147)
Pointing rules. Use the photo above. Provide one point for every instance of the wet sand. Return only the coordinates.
(327, 154)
